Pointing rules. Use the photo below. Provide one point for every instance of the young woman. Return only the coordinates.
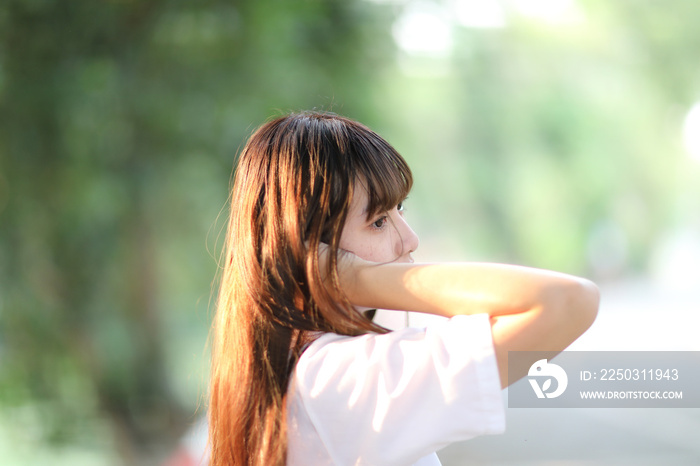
(300, 374)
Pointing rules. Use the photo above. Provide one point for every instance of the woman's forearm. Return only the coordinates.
(449, 289)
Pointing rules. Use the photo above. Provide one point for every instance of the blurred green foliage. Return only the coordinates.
(120, 124)
(544, 144)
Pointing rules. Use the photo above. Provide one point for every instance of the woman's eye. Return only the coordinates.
(399, 206)
(379, 223)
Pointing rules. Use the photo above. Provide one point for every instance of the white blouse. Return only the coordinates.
(394, 399)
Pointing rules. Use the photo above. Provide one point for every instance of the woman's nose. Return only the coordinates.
(408, 239)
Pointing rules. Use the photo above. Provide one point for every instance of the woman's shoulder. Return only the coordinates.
(412, 388)
(469, 334)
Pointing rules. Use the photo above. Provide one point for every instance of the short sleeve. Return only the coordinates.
(394, 398)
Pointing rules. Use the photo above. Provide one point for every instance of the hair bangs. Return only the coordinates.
(383, 172)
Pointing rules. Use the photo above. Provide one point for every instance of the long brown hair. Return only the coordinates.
(292, 191)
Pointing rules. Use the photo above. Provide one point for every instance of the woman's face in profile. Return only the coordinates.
(385, 237)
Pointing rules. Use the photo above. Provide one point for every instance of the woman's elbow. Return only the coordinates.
(581, 303)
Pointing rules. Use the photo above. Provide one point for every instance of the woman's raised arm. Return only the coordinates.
(530, 309)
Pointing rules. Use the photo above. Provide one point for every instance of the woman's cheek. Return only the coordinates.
(381, 249)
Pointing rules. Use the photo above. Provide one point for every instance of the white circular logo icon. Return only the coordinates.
(544, 371)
